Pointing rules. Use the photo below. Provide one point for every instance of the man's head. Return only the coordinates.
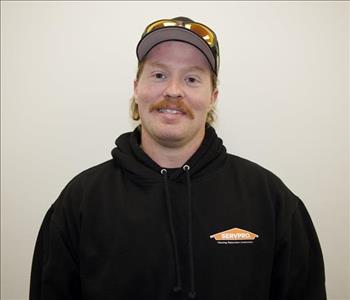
(181, 29)
(175, 89)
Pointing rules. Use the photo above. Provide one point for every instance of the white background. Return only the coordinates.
(66, 79)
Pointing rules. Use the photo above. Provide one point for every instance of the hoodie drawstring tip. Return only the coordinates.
(177, 289)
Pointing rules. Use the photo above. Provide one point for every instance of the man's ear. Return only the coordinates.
(214, 97)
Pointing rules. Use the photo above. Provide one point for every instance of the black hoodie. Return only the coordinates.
(221, 227)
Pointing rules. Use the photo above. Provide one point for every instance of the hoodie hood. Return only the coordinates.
(128, 154)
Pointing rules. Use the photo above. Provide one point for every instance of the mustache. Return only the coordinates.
(178, 105)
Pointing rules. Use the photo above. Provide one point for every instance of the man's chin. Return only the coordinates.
(170, 137)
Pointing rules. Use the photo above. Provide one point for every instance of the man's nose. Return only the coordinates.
(174, 90)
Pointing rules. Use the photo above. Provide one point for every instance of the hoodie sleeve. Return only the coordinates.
(55, 265)
(298, 271)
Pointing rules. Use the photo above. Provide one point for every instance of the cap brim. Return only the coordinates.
(174, 34)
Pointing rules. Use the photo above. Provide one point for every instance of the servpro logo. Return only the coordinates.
(234, 236)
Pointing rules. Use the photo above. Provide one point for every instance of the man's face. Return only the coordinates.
(174, 94)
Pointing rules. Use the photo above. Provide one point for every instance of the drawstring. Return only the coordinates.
(192, 292)
(178, 286)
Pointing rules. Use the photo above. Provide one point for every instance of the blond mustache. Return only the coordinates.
(178, 105)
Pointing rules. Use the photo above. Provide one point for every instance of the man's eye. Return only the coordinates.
(159, 75)
(192, 80)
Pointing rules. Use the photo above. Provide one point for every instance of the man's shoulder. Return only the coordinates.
(241, 164)
(105, 167)
(88, 178)
(252, 172)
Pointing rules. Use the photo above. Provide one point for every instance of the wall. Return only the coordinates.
(66, 78)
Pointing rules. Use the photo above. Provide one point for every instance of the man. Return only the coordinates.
(172, 215)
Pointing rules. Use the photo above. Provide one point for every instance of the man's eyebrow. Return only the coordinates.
(190, 68)
(158, 65)
(196, 68)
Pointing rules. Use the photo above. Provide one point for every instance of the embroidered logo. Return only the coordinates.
(234, 236)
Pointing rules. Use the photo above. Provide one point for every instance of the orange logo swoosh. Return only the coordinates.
(234, 234)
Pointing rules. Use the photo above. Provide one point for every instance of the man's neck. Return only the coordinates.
(167, 156)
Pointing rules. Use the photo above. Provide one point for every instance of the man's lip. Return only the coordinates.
(170, 110)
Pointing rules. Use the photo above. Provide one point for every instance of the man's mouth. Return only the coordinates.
(170, 111)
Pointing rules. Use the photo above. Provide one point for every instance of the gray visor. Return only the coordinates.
(174, 34)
